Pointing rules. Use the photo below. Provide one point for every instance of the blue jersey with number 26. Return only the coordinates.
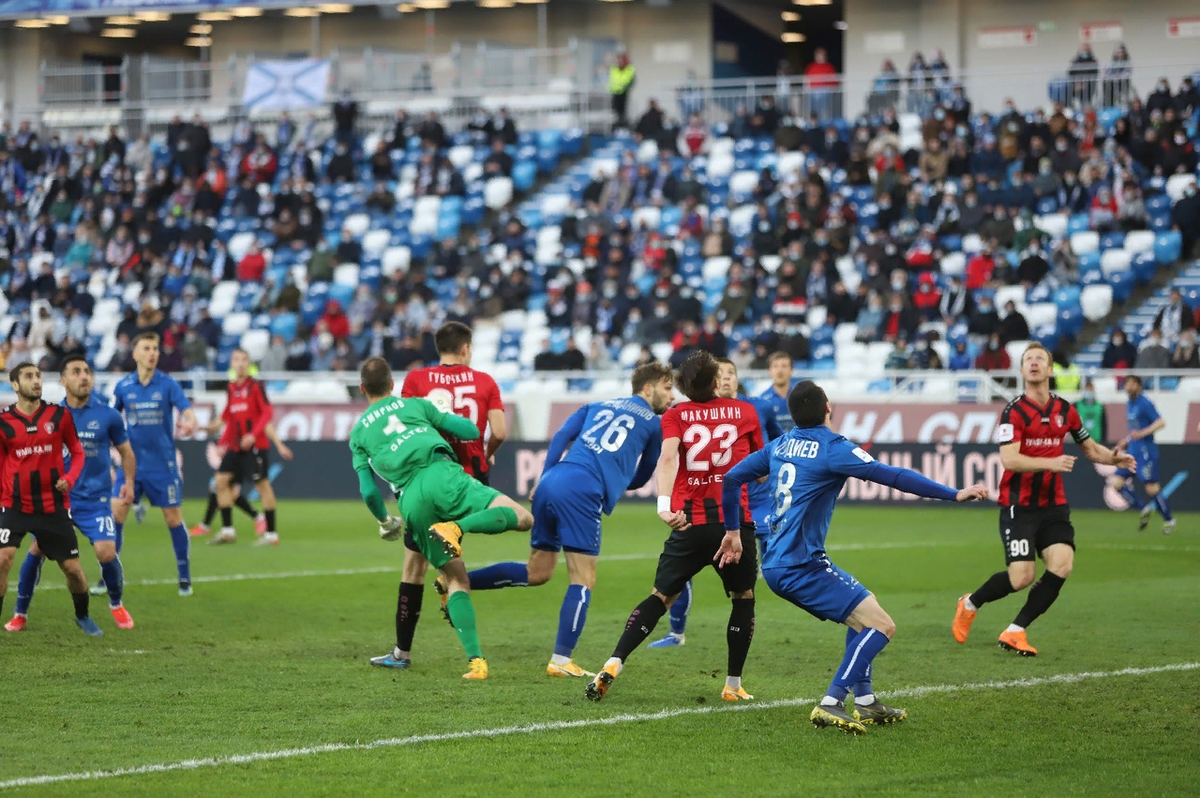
(611, 438)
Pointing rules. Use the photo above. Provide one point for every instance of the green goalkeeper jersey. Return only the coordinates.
(397, 438)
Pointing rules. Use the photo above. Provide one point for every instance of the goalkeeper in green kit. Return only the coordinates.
(401, 441)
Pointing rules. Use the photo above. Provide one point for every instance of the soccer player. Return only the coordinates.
(1035, 519)
(246, 416)
(616, 448)
(35, 486)
(241, 500)
(806, 470)
(1144, 421)
(775, 397)
(453, 386)
(399, 439)
(100, 428)
(760, 494)
(713, 434)
(148, 398)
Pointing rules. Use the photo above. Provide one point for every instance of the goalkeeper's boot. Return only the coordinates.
(1144, 519)
(443, 591)
(478, 671)
(1016, 641)
(565, 669)
(732, 694)
(597, 688)
(835, 715)
(449, 536)
(392, 659)
(877, 713)
(963, 618)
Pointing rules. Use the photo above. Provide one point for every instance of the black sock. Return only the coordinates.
(270, 514)
(1, 605)
(639, 626)
(739, 634)
(211, 510)
(245, 506)
(81, 604)
(408, 611)
(995, 588)
(226, 517)
(1041, 596)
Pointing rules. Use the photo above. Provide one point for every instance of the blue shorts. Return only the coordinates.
(821, 589)
(94, 519)
(161, 490)
(758, 514)
(567, 507)
(1147, 467)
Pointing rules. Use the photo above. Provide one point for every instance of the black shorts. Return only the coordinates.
(243, 466)
(55, 532)
(1026, 531)
(689, 552)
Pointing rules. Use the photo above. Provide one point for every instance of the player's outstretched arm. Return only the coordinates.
(562, 439)
(273, 435)
(1012, 459)
(852, 461)
(1105, 456)
(449, 423)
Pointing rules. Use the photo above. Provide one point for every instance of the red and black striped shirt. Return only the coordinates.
(32, 451)
(247, 411)
(1040, 431)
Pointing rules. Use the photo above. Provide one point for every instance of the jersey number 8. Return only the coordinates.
(783, 488)
(697, 437)
(614, 436)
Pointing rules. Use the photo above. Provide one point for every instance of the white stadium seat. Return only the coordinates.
(1113, 261)
(1054, 224)
(498, 192)
(556, 204)
(461, 155)
(1040, 313)
(236, 323)
(954, 264)
(1097, 301)
(375, 242)
(239, 245)
(1139, 241)
(1176, 184)
(716, 266)
(1015, 349)
(972, 243)
(256, 343)
(106, 314)
(743, 182)
(357, 224)
(1085, 241)
(346, 274)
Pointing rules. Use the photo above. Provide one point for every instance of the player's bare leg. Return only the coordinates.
(269, 536)
(6, 560)
(581, 571)
(869, 710)
(408, 610)
(462, 616)
(225, 500)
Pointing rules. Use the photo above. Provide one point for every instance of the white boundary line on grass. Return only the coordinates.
(531, 728)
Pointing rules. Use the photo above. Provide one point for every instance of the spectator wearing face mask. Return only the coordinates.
(1185, 355)
(1120, 353)
(1102, 215)
(1013, 327)
(1072, 196)
(960, 357)
(1185, 218)
(993, 357)
(1160, 99)
(1153, 354)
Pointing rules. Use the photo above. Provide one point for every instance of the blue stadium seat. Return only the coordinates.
(1070, 320)
(1089, 262)
(1168, 246)
(1144, 266)
(1122, 285)
(1114, 240)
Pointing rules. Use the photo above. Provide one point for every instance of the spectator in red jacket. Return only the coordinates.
(252, 266)
(993, 357)
(928, 297)
(336, 320)
(260, 164)
(980, 269)
(823, 81)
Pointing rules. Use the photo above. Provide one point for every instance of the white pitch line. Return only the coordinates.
(531, 728)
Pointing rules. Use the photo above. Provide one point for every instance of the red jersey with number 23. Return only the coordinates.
(714, 436)
(465, 392)
(1040, 431)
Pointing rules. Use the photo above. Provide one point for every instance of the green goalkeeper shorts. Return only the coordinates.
(441, 492)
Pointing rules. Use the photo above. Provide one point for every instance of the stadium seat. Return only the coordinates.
(236, 324)
(1122, 285)
(954, 264)
(1084, 242)
(1114, 260)
(1139, 241)
(1168, 247)
(375, 243)
(498, 192)
(346, 274)
(357, 224)
(1053, 224)
(256, 343)
(239, 245)
(972, 243)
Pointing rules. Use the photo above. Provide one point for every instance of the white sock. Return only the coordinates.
(968, 605)
(733, 682)
(617, 660)
(864, 700)
(1012, 627)
(397, 653)
(228, 531)
(829, 701)
(260, 517)
(559, 659)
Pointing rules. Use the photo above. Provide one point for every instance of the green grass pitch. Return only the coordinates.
(277, 663)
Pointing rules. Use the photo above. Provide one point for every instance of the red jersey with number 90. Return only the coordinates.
(465, 392)
(714, 436)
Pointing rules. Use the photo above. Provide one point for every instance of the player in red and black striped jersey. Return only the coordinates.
(35, 485)
(713, 435)
(1035, 519)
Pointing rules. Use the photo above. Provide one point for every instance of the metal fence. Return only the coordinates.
(65, 83)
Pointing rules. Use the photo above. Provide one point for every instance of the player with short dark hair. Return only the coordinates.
(149, 399)
(100, 429)
(1144, 421)
(775, 396)
(453, 387)
(246, 416)
(806, 469)
(616, 447)
(713, 434)
(1035, 519)
(35, 486)
(401, 440)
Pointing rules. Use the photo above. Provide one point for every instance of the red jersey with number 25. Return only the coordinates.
(714, 436)
(465, 392)
(1040, 431)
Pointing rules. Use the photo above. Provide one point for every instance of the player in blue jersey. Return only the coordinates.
(616, 448)
(807, 468)
(775, 397)
(99, 428)
(1144, 421)
(760, 494)
(149, 400)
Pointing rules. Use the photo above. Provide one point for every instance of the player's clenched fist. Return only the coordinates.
(974, 493)
(676, 520)
(392, 528)
(1062, 464)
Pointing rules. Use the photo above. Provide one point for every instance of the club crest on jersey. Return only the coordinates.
(156, 397)
(48, 427)
(1058, 421)
(93, 425)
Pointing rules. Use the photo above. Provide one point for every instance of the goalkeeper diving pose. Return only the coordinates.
(401, 441)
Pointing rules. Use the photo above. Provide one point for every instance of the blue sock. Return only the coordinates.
(571, 618)
(502, 574)
(114, 580)
(1164, 509)
(31, 574)
(863, 686)
(679, 610)
(1131, 496)
(182, 545)
(855, 664)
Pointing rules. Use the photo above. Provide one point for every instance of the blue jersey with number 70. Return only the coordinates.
(617, 441)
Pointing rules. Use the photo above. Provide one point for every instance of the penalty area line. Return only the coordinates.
(612, 720)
